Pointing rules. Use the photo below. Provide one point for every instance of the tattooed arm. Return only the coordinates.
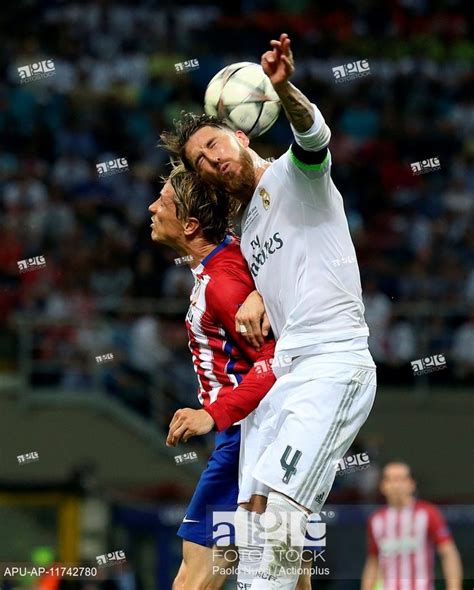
(298, 109)
(278, 64)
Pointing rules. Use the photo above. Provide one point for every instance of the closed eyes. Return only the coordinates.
(210, 145)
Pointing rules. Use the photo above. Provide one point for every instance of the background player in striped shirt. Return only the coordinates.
(403, 536)
(193, 219)
(296, 240)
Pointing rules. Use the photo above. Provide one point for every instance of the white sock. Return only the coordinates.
(249, 545)
(284, 530)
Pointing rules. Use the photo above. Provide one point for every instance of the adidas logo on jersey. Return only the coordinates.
(319, 499)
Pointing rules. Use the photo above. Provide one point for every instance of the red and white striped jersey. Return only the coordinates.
(404, 540)
(221, 356)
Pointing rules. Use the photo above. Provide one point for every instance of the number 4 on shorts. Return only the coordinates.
(289, 468)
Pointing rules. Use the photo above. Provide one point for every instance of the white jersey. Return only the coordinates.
(296, 240)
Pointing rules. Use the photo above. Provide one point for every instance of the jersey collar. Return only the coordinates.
(200, 267)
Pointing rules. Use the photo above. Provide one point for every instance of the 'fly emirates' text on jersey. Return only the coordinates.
(296, 240)
(233, 377)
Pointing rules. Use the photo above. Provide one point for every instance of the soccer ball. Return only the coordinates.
(243, 96)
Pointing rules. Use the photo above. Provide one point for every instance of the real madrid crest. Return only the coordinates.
(265, 198)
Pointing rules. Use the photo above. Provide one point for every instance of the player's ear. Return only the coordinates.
(191, 226)
(242, 138)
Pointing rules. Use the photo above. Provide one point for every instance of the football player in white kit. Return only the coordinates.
(296, 240)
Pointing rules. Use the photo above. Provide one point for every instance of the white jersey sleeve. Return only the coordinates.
(318, 135)
(315, 187)
(314, 179)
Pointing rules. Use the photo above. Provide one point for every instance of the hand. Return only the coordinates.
(253, 316)
(187, 423)
(278, 63)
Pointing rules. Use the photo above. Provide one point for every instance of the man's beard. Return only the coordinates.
(242, 185)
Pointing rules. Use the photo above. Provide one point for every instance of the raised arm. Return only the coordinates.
(279, 66)
(310, 130)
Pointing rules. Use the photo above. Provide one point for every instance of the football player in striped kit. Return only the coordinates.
(193, 219)
(402, 538)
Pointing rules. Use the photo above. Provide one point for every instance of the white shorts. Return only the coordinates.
(304, 426)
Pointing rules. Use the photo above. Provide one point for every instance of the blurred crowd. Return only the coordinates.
(115, 87)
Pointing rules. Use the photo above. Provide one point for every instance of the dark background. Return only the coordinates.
(107, 289)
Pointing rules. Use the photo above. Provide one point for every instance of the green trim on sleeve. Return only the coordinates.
(303, 166)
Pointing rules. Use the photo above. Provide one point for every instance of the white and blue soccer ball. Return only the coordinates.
(243, 96)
